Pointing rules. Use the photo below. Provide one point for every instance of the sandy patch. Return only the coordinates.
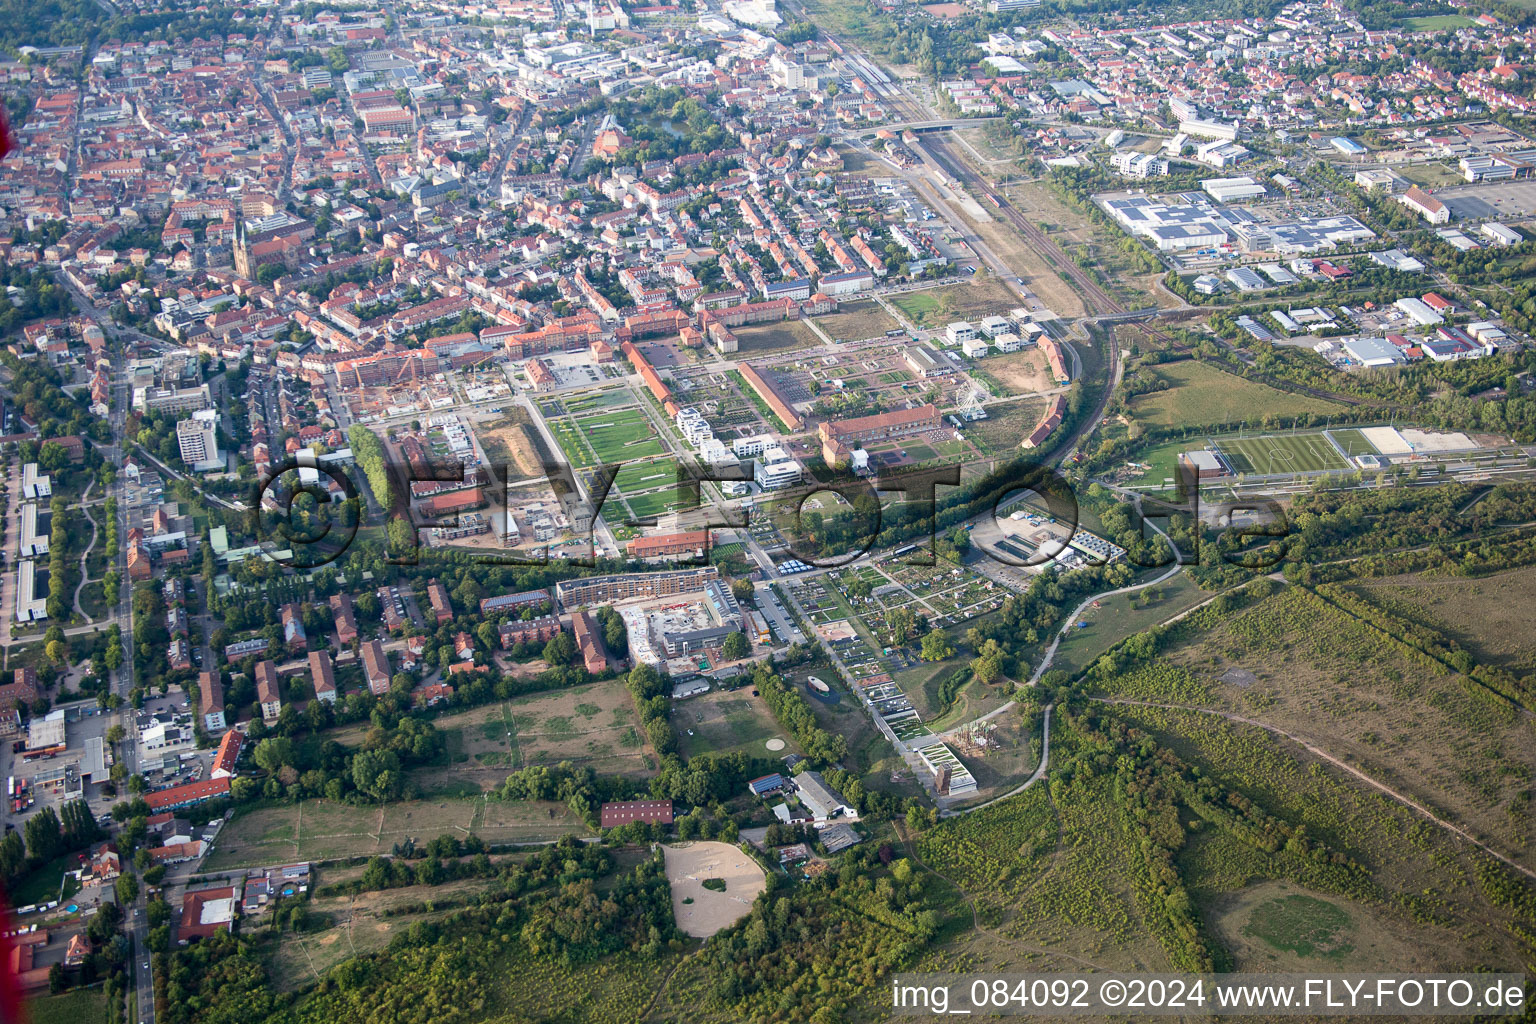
(842, 629)
(690, 864)
(775, 744)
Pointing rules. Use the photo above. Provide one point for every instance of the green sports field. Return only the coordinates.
(1281, 454)
(621, 435)
(1353, 441)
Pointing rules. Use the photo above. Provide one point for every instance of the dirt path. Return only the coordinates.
(1349, 769)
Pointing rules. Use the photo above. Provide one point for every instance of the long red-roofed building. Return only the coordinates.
(622, 812)
(186, 796)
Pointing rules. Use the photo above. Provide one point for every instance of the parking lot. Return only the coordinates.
(1490, 199)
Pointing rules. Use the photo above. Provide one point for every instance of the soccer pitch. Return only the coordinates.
(1281, 454)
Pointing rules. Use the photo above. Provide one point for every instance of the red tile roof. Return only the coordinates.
(191, 793)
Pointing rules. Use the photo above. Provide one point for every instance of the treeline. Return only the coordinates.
(1334, 524)
(795, 715)
(1436, 651)
(812, 952)
(369, 452)
(437, 972)
(1156, 793)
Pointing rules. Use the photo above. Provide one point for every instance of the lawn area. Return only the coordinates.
(855, 321)
(1120, 616)
(601, 400)
(93, 601)
(1437, 23)
(1005, 426)
(646, 476)
(651, 488)
(1161, 464)
(1431, 175)
(318, 830)
(646, 506)
(622, 435)
(81, 1006)
(577, 452)
(780, 337)
(1279, 454)
(969, 300)
(1353, 441)
(1199, 393)
(42, 885)
(727, 721)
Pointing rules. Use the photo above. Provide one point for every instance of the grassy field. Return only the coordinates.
(1279, 454)
(1298, 663)
(81, 1006)
(1437, 23)
(1490, 617)
(780, 337)
(1005, 426)
(855, 321)
(620, 435)
(593, 724)
(1199, 393)
(577, 452)
(317, 830)
(1120, 616)
(1353, 441)
(1160, 464)
(725, 721)
(1431, 175)
(970, 300)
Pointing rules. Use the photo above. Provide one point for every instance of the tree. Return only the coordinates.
(903, 623)
(77, 825)
(561, 649)
(988, 663)
(273, 752)
(127, 889)
(735, 646)
(936, 646)
(377, 773)
(44, 837)
(13, 856)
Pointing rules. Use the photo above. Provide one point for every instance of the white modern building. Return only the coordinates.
(1418, 311)
(959, 332)
(35, 484)
(198, 437)
(1226, 190)
(1498, 234)
(776, 469)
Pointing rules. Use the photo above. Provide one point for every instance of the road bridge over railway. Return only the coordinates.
(919, 127)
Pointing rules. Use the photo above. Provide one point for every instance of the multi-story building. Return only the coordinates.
(198, 437)
(839, 437)
(323, 676)
(210, 701)
(268, 693)
(376, 667)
